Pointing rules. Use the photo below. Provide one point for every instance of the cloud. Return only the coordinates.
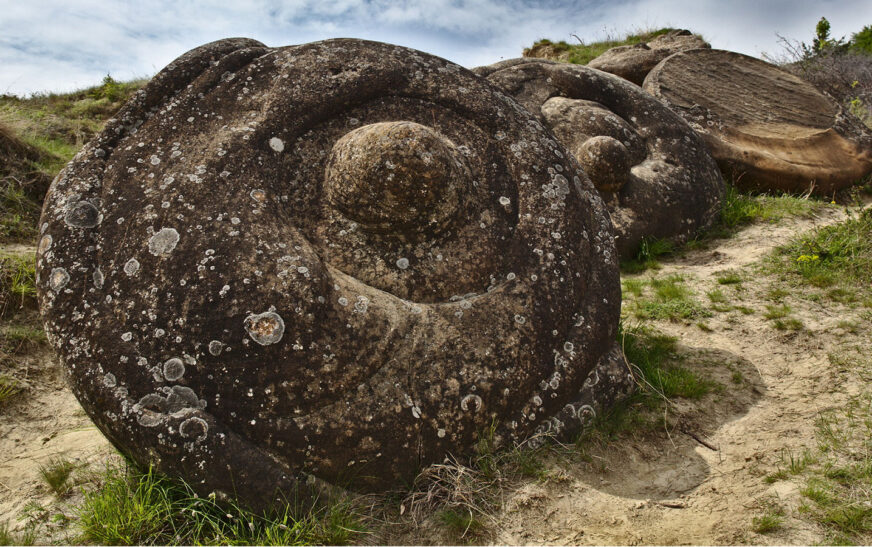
(59, 45)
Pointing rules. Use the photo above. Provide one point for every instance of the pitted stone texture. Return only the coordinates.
(767, 129)
(634, 62)
(663, 183)
(609, 383)
(295, 309)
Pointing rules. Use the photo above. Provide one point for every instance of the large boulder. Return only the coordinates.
(340, 260)
(767, 129)
(654, 172)
(634, 62)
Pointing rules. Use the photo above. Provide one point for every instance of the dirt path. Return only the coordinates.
(41, 424)
(700, 482)
(672, 489)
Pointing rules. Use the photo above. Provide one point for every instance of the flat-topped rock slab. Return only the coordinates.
(767, 129)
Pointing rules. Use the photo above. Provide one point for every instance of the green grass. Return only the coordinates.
(9, 388)
(740, 209)
(18, 213)
(650, 249)
(23, 334)
(7, 537)
(144, 508)
(668, 298)
(835, 477)
(17, 281)
(56, 474)
(767, 524)
(729, 277)
(655, 357)
(584, 53)
(461, 521)
(837, 257)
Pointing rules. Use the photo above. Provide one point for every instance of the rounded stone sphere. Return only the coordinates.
(397, 178)
(244, 298)
(606, 161)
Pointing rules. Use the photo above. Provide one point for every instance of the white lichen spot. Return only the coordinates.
(98, 279)
(520, 319)
(510, 276)
(215, 347)
(44, 244)
(473, 400)
(568, 347)
(265, 328)
(194, 428)
(58, 279)
(403, 263)
(440, 433)
(173, 369)
(258, 195)
(343, 301)
(154, 160)
(504, 201)
(163, 242)
(276, 144)
(127, 336)
(131, 267)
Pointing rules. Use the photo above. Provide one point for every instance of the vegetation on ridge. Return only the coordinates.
(583, 53)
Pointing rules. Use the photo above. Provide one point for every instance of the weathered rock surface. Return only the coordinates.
(767, 129)
(654, 172)
(636, 61)
(342, 259)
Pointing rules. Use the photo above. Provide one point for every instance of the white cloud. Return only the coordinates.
(61, 45)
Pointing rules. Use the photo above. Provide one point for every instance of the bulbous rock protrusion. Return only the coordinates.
(606, 161)
(396, 177)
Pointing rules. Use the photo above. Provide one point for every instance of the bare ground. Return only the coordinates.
(698, 481)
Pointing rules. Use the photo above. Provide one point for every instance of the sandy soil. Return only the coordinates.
(700, 482)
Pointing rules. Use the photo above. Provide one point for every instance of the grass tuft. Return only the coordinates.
(56, 474)
(9, 388)
(144, 508)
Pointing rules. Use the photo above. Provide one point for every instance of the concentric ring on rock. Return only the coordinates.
(767, 129)
(673, 189)
(307, 344)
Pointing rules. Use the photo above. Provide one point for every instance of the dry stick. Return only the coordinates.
(700, 441)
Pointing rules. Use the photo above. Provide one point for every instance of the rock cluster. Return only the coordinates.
(653, 171)
(339, 260)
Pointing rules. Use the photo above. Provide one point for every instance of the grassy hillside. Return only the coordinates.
(583, 53)
(38, 136)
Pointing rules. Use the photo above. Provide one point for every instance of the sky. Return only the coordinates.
(63, 45)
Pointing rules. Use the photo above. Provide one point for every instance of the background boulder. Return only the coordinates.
(655, 174)
(767, 129)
